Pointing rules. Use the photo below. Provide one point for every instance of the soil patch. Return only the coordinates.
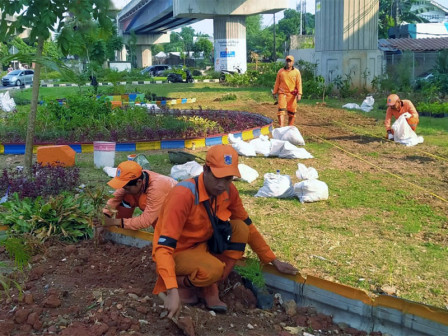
(84, 290)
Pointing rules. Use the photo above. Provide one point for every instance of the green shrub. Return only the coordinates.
(344, 86)
(50, 75)
(66, 216)
(432, 108)
(20, 101)
(228, 96)
(252, 271)
(196, 72)
(18, 248)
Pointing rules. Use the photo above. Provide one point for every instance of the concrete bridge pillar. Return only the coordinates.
(122, 54)
(230, 43)
(144, 56)
(143, 47)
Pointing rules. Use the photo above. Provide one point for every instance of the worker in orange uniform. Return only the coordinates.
(396, 108)
(136, 187)
(288, 87)
(188, 263)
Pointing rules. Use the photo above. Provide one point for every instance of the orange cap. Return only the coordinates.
(223, 161)
(290, 57)
(126, 171)
(392, 99)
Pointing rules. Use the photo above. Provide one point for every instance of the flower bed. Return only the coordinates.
(162, 130)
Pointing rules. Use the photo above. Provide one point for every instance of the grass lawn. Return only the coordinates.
(376, 228)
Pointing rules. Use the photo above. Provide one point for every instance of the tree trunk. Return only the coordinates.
(32, 115)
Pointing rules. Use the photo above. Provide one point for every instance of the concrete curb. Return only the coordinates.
(43, 84)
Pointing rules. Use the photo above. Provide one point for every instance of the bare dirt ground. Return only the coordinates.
(91, 290)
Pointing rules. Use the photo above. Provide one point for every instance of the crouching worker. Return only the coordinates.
(136, 187)
(190, 260)
(396, 108)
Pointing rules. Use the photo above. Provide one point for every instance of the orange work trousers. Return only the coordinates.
(203, 268)
(287, 102)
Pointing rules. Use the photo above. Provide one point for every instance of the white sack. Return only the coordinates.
(233, 139)
(367, 104)
(7, 103)
(187, 170)
(304, 173)
(404, 134)
(243, 148)
(351, 106)
(276, 147)
(311, 191)
(261, 145)
(248, 174)
(289, 133)
(289, 151)
(110, 171)
(152, 107)
(276, 185)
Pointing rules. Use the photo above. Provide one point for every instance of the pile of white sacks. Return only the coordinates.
(308, 190)
(284, 145)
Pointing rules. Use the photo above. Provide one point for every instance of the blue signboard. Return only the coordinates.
(227, 54)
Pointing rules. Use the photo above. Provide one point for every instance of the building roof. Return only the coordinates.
(439, 5)
(423, 44)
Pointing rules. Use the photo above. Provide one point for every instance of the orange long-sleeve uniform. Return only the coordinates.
(150, 200)
(184, 225)
(406, 106)
(288, 85)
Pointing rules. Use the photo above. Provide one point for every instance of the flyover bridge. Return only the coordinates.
(151, 20)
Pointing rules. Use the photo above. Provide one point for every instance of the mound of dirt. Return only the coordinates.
(89, 290)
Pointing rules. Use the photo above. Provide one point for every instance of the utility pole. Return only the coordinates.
(304, 11)
(301, 17)
(396, 19)
(275, 53)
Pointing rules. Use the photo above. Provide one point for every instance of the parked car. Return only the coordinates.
(421, 80)
(18, 78)
(156, 70)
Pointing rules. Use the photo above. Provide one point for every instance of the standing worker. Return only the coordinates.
(288, 87)
(196, 214)
(396, 108)
(136, 187)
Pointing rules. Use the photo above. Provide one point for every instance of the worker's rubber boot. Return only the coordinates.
(187, 292)
(281, 120)
(211, 296)
(291, 119)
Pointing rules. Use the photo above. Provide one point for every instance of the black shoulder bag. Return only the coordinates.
(222, 230)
